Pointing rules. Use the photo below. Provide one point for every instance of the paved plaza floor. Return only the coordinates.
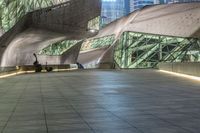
(99, 101)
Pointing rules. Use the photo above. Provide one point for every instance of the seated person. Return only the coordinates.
(80, 66)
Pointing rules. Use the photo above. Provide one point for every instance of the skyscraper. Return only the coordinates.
(127, 6)
(114, 9)
(137, 4)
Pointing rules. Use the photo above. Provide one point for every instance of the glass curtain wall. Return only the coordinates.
(139, 50)
(98, 43)
(58, 48)
(112, 10)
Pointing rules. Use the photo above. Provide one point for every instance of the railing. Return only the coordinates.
(7, 70)
(30, 68)
(190, 68)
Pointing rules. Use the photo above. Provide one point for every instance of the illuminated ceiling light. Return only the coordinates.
(182, 75)
(93, 31)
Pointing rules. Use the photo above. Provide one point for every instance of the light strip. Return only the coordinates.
(60, 70)
(182, 75)
(24, 72)
(8, 75)
(12, 74)
(16, 73)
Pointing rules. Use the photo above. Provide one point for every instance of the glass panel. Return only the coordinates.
(58, 48)
(94, 24)
(139, 50)
(98, 42)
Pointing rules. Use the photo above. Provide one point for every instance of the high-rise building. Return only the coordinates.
(137, 4)
(131, 5)
(127, 6)
(113, 9)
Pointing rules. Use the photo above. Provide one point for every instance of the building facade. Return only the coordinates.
(137, 4)
(113, 9)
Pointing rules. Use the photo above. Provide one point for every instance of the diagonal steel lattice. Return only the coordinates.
(12, 10)
(140, 50)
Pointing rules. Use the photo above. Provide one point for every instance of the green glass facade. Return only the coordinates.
(58, 48)
(139, 50)
(98, 42)
(94, 24)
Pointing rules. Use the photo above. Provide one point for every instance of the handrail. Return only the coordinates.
(7, 69)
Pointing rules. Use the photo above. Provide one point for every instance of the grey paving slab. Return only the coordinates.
(125, 130)
(99, 101)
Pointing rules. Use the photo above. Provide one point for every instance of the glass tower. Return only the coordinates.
(137, 4)
(113, 9)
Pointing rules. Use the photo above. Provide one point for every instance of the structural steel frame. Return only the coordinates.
(58, 48)
(98, 42)
(141, 50)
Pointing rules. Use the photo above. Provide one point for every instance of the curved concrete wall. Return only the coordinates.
(43, 27)
(70, 17)
(181, 20)
(6, 38)
(20, 50)
(90, 58)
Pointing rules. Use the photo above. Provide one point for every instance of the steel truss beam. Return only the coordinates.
(58, 48)
(98, 42)
(139, 50)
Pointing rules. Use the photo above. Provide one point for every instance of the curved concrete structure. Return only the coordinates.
(21, 48)
(178, 20)
(41, 28)
(90, 58)
(181, 19)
